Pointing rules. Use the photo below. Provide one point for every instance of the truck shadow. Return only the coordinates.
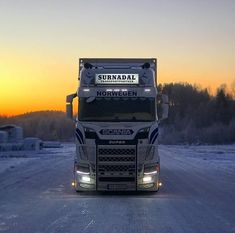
(122, 194)
(67, 192)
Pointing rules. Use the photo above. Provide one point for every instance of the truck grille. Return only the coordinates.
(116, 159)
(116, 164)
(117, 168)
(116, 155)
(116, 151)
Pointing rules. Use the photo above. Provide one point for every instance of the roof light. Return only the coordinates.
(88, 65)
(146, 65)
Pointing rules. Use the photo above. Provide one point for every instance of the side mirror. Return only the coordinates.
(69, 110)
(69, 105)
(165, 106)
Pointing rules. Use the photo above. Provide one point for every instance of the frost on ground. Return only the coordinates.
(11, 163)
(221, 157)
(13, 159)
(197, 195)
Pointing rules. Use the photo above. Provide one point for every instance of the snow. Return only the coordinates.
(217, 157)
(197, 195)
(13, 159)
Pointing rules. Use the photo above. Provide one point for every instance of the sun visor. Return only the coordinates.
(121, 92)
(117, 77)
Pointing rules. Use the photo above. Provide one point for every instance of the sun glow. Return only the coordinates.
(41, 43)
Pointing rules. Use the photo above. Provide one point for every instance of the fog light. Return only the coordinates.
(86, 179)
(147, 179)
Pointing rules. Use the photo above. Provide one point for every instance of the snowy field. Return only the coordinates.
(198, 195)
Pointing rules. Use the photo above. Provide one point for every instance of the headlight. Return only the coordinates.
(147, 179)
(144, 130)
(152, 169)
(82, 169)
(88, 130)
(150, 173)
(86, 179)
(82, 173)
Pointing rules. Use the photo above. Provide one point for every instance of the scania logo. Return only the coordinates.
(116, 131)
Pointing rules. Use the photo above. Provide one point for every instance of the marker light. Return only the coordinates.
(86, 89)
(160, 184)
(147, 89)
(147, 179)
(73, 184)
(116, 90)
(150, 173)
(109, 89)
(86, 178)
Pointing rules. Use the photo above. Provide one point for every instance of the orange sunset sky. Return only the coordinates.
(41, 42)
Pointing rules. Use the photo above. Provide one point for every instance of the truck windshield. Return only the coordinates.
(117, 109)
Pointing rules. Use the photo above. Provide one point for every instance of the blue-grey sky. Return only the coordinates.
(194, 41)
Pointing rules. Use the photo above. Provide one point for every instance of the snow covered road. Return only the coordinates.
(198, 195)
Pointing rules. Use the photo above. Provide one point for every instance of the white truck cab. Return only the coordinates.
(117, 125)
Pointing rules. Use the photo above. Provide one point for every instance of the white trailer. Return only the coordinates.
(117, 125)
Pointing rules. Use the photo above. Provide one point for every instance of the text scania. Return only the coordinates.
(116, 93)
(116, 132)
(117, 78)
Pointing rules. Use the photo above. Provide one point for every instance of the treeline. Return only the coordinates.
(195, 116)
(46, 125)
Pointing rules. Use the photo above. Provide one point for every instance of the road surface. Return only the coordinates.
(198, 196)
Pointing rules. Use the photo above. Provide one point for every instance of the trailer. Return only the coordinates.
(116, 131)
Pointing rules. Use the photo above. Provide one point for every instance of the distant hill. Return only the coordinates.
(47, 125)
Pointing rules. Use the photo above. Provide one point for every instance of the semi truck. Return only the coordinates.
(116, 128)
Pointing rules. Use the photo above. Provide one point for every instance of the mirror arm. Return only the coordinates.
(69, 98)
(69, 105)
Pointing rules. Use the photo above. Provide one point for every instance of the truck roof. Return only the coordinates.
(114, 71)
(117, 63)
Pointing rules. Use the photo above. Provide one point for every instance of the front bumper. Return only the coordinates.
(117, 168)
(151, 184)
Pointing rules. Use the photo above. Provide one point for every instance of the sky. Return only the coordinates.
(42, 41)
